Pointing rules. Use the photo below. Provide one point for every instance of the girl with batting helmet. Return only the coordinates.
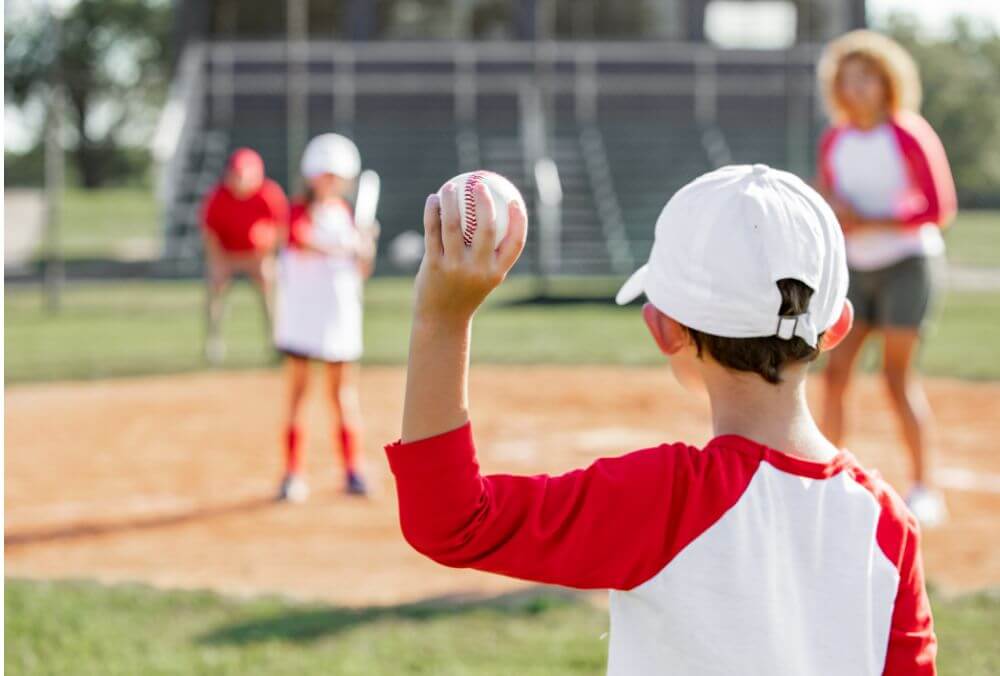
(321, 273)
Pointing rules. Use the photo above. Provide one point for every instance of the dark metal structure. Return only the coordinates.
(623, 101)
(519, 20)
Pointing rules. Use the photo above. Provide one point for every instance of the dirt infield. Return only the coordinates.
(168, 480)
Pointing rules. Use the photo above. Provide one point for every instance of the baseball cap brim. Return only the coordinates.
(633, 287)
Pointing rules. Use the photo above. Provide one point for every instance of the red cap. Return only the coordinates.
(245, 159)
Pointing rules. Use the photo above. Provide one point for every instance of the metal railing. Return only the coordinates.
(590, 74)
(606, 199)
(550, 196)
(180, 119)
(585, 70)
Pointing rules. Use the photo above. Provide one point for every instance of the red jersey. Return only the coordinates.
(238, 224)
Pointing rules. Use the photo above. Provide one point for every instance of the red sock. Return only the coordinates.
(349, 447)
(293, 457)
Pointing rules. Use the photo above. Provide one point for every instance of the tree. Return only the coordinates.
(961, 83)
(112, 60)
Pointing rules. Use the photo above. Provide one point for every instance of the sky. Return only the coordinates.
(934, 14)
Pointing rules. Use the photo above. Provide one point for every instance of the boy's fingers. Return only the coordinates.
(451, 222)
(513, 242)
(484, 239)
(432, 226)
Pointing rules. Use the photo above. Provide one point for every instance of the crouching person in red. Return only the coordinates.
(242, 219)
(769, 550)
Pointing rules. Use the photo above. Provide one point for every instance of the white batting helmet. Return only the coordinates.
(331, 154)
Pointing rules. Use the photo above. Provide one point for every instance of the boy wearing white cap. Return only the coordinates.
(768, 551)
(320, 276)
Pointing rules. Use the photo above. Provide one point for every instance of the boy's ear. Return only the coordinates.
(670, 336)
(840, 328)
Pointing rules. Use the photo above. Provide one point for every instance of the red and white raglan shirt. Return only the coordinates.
(730, 559)
(895, 171)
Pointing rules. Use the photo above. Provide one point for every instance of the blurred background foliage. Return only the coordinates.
(113, 58)
(961, 78)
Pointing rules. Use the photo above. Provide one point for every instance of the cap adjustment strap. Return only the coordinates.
(788, 326)
(796, 325)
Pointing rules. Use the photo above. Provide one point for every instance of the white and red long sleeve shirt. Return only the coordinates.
(730, 559)
(895, 171)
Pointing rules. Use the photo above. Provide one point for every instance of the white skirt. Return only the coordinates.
(318, 309)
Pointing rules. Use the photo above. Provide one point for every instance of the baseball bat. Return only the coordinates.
(366, 203)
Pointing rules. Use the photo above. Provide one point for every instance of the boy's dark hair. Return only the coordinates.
(763, 356)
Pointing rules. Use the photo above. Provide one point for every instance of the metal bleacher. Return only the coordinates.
(654, 147)
(410, 142)
(625, 125)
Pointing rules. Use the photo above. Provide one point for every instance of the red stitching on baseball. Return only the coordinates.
(470, 207)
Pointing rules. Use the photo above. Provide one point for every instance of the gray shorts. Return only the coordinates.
(898, 296)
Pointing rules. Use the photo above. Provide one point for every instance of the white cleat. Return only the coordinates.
(215, 350)
(293, 489)
(927, 505)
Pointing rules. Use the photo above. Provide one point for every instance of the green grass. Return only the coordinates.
(127, 328)
(964, 341)
(975, 239)
(966, 630)
(122, 328)
(118, 223)
(85, 628)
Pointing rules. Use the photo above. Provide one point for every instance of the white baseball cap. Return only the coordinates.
(331, 154)
(724, 240)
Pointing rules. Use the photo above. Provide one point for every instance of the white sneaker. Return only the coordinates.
(293, 489)
(927, 505)
(215, 350)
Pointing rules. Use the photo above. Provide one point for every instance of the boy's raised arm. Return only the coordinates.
(610, 525)
(453, 281)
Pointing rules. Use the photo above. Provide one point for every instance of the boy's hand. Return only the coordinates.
(452, 283)
(454, 279)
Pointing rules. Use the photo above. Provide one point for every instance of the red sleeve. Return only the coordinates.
(210, 210)
(612, 525)
(912, 643)
(932, 198)
(276, 201)
(824, 168)
(298, 225)
(912, 648)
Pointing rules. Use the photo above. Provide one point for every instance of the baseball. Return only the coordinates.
(501, 190)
